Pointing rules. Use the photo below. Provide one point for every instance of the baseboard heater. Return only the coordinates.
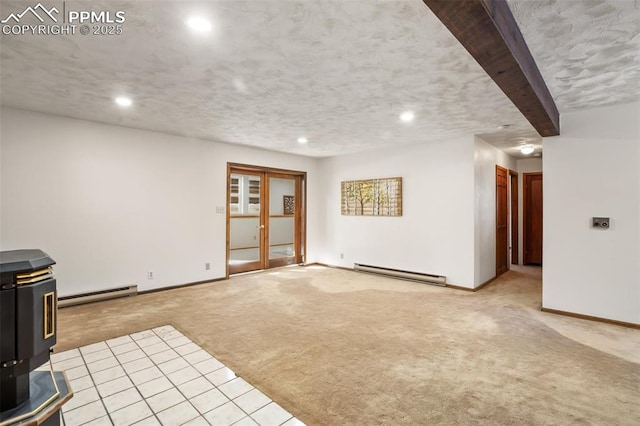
(97, 296)
(406, 275)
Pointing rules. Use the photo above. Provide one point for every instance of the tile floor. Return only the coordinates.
(159, 377)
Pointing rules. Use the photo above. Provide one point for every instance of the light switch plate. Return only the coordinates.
(219, 209)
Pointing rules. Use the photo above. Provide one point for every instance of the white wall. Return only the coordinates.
(592, 169)
(110, 203)
(486, 157)
(528, 165)
(434, 234)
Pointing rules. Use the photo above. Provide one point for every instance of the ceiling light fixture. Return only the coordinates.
(527, 149)
(303, 140)
(199, 24)
(407, 116)
(123, 101)
(239, 85)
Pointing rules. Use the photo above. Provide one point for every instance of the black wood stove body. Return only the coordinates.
(28, 304)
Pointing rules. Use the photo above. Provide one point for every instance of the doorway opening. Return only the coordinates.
(266, 218)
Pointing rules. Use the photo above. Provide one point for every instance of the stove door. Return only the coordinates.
(36, 306)
(7, 325)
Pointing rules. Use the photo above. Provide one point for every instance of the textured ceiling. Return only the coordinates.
(588, 51)
(337, 72)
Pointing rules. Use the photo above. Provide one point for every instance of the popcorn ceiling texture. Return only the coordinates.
(337, 72)
(588, 51)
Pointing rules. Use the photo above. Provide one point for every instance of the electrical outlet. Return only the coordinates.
(207, 266)
(600, 222)
(150, 275)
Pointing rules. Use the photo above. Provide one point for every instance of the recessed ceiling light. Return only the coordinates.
(239, 85)
(407, 116)
(303, 140)
(526, 149)
(123, 101)
(504, 126)
(199, 24)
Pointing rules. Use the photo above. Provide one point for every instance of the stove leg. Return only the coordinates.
(14, 390)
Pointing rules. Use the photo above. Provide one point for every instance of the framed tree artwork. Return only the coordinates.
(372, 197)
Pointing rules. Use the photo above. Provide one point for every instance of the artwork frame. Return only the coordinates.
(372, 197)
(288, 204)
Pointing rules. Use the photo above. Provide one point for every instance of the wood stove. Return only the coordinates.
(28, 304)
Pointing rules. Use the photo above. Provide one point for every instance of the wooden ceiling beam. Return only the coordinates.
(489, 32)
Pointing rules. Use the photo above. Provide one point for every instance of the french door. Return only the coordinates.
(265, 218)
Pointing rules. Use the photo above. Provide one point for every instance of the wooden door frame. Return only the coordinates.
(300, 209)
(515, 238)
(525, 214)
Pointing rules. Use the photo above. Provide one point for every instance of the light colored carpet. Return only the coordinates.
(337, 347)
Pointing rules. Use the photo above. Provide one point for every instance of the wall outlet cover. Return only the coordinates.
(600, 222)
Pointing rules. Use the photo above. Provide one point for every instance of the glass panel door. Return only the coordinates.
(282, 220)
(265, 213)
(246, 229)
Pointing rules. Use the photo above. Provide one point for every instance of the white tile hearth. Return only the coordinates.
(159, 377)
(252, 401)
(271, 414)
(235, 388)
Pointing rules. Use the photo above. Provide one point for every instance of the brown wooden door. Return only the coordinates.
(532, 226)
(514, 217)
(502, 255)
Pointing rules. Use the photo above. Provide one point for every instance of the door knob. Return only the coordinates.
(261, 226)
